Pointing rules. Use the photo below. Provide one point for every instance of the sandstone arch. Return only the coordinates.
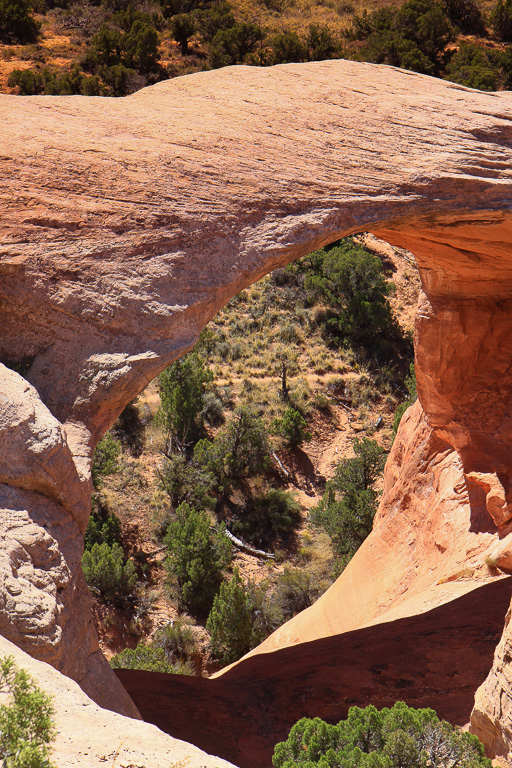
(127, 224)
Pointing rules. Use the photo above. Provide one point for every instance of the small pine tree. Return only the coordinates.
(196, 558)
(182, 387)
(106, 571)
(183, 26)
(349, 503)
(292, 427)
(501, 20)
(275, 514)
(106, 457)
(16, 23)
(229, 622)
(103, 526)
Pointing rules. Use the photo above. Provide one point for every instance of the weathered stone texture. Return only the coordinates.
(127, 223)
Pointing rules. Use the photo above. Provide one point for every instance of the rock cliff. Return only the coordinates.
(128, 223)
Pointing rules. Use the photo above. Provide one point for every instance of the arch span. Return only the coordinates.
(128, 223)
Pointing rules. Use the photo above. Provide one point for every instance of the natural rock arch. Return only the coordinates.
(128, 223)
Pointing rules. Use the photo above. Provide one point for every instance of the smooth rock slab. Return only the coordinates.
(91, 737)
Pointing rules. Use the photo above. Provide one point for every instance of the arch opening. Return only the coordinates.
(106, 304)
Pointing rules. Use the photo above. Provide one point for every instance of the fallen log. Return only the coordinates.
(239, 544)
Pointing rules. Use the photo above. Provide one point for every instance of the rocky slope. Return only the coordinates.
(435, 658)
(128, 223)
(90, 737)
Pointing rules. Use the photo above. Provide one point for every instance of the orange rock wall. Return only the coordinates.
(127, 223)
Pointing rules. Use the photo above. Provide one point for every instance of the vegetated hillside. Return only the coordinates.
(115, 47)
(252, 458)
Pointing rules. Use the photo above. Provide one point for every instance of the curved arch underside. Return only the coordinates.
(127, 223)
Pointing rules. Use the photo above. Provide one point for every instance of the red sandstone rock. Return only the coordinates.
(435, 658)
(127, 223)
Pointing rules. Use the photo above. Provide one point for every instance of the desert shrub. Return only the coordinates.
(26, 720)
(107, 572)
(118, 79)
(268, 517)
(196, 558)
(229, 622)
(289, 332)
(291, 427)
(237, 350)
(471, 66)
(17, 25)
(30, 82)
(176, 640)
(182, 388)
(148, 658)
(129, 430)
(413, 36)
(501, 20)
(161, 514)
(266, 614)
(103, 527)
(349, 503)
(187, 482)
(410, 383)
(105, 461)
(396, 737)
(294, 592)
(213, 409)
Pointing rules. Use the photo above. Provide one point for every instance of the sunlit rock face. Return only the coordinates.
(127, 223)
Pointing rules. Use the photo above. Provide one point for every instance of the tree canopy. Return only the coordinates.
(396, 737)
(349, 503)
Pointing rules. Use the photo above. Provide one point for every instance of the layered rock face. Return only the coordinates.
(128, 223)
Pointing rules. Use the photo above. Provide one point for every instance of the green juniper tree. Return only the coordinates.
(349, 503)
(26, 720)
(292, 427)
(107, 572)
(182, 388)
(229, 622)
(396, 737)
(196, 558)
(17, 25)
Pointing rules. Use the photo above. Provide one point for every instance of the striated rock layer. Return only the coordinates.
(127, 223)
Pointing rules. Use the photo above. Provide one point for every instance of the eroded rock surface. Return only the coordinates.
(434, 658)
(127, 223)
(91, 737)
